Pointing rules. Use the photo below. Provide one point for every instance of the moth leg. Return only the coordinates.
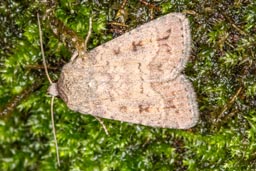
(102, 124)
(88, 34)
(83, 52)
(75, 54)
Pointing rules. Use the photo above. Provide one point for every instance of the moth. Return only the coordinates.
(136, 77)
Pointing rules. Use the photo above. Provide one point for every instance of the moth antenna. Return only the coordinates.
(102, 124)
(42, 49)
(88, 34)
(52, 99)
(54, 132)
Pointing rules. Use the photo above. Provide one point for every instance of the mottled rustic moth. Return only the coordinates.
(136, 77)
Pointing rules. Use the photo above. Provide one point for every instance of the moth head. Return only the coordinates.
(53, 90)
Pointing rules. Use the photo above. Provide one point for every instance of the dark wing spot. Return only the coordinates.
(116, 51)
(156, 67)
(169, 31)
(163, 38)
(169, 104)
(136, 45)
(168, 48)
(143, 108)
(123, 109)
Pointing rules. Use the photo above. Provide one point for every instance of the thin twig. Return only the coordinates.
(36, 67)
(230, 103)
(118, 24)
(123, 4)
(13, 103)
(150, 5)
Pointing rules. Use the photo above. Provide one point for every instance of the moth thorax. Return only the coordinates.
(53, 89)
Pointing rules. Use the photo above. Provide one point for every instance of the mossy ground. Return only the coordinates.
(222, 68)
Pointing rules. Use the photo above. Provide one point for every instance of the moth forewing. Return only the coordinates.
(136, 77)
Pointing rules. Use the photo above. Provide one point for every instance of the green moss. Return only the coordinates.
(222, 68)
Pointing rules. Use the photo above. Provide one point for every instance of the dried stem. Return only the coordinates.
(230, 103)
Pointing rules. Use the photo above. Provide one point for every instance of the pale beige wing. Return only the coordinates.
(170, 104)
(160, 47)
(135, 77)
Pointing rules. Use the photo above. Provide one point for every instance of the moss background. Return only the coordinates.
(222, 68)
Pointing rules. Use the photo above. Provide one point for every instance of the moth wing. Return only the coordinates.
(135, 77)
(161, 48)
(170, 104)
